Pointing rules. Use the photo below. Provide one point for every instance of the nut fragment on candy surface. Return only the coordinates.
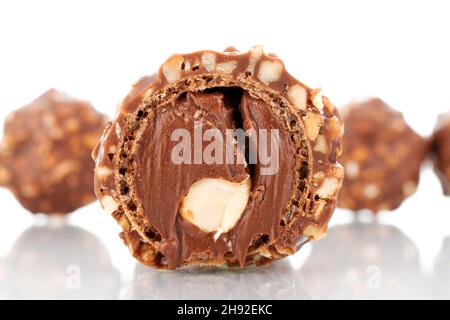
(186, 192)
(45, 153)
(109, 204)
(382, 157)
(440, 148)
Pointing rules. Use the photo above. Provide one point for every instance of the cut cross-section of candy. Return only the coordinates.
(220, 159)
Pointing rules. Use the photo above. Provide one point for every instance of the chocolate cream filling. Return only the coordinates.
(161, 184)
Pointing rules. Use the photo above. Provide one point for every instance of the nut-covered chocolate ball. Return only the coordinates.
(382, 156)
(441, 151)
(45, 155)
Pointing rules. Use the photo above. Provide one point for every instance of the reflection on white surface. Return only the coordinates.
(355, 261)
(364, 261)
(441, 279)
(58, 262)
(277, 281)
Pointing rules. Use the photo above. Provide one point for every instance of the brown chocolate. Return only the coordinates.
(441, 151)
(146, 191)
(382, 157)
(44, 155)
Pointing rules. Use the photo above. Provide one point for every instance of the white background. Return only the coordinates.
(94, 50)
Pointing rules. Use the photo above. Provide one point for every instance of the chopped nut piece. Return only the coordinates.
(297, 95)
(314, 233)
(226, 67)
(172, 69)
(328, 188)
(313, 122)
(209, 61)
(317, 99)
(269, 71)
(321, 145)
(109, 204)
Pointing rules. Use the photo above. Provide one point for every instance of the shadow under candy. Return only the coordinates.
(279, 280)
(364, 261)
(58, 262)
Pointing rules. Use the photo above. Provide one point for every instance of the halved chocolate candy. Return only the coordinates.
(220, 159)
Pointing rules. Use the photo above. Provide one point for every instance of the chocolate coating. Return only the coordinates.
(441, 151)
(382, 157)
(139, 184)
(45, 153)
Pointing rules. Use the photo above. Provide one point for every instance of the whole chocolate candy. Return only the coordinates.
(441, 151)
(220, 159)
(45, 153)
(382, 157)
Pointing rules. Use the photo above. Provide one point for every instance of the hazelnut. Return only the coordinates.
(172, 69)
(269, 71)
(256, 53)
(317, 99)
(209, 61)
(297, 95)
(321, 144)
(314, 232)
(313, 122)
(328, 188)
(226, 67)
(103, 171)
(109, 204)
(215, 205)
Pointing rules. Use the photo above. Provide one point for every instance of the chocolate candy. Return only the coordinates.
(220, 159)
(45, 153)
(441, 151)
(382, 157)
